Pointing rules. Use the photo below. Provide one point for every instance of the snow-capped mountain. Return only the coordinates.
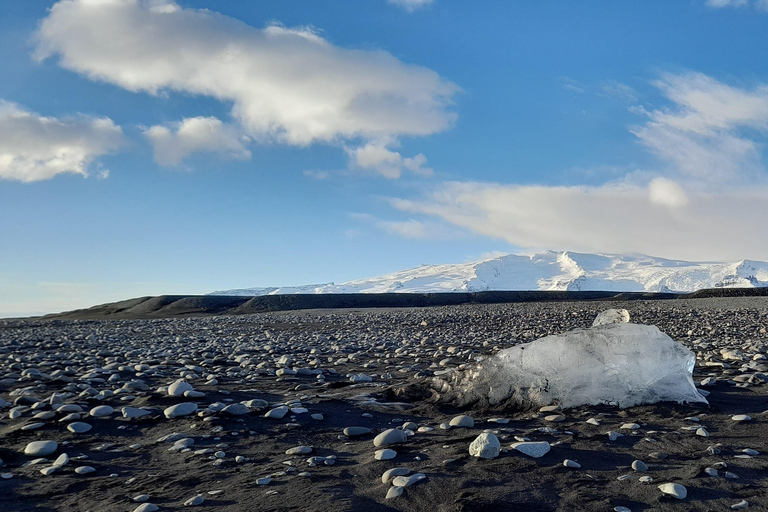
(548, 271)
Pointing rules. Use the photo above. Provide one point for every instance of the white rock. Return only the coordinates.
(390, 436)
(101, 411)
(639, 465)
(84, 470)
(571, 464)
(61, 460)
(298, 450)
(134, 412)
(194, 501)
(179, 387)
(391, 473)
(264, 481)
(179, 410)
(146, 507)
(462, 421)
(533, 449)
(405, 481)
(741, 417)
(676, 490)
(277, 413)
(78, 427)
(741, 504)
(394, 492)
(41, 448)
(485, 446)
(385, 454)
(611, 316)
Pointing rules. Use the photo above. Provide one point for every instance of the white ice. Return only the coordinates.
(620, 364)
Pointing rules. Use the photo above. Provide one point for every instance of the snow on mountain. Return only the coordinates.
(548, 270)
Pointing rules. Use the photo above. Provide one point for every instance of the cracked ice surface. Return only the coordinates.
(620, 364)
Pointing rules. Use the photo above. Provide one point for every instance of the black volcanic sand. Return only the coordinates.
(89, 362)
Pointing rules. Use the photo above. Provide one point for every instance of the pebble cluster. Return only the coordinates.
(286, 409)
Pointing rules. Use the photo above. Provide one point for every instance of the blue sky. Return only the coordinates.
(151, 147)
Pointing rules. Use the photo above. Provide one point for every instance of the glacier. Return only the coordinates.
(549, 270)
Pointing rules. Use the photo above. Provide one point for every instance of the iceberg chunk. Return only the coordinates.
(621, 364)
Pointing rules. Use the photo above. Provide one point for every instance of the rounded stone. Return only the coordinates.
(79, 427)
(356, 431)
(675, 490)
(41, 448)
(102, 411)
(390, 436)
(179, 410)
(462, 421)
(179, 387)
(385, 454)
(533, 449)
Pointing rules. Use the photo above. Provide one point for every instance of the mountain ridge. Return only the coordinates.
(547, 271)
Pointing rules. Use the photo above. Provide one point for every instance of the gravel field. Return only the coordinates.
(256, 412)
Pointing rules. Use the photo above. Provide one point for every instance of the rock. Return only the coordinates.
(299, 450)
(568, 463)
(134, 412)
(194, 501)
(84, 470)
(179, 387)
(630, 426)
(385, 454)
(390, 436)
(61, 460)
(356, 431)
(41, 448)
(394, 492)
(741, 417)
(102, 411)
(639, 465)
(146, 507)
(179, 410)
(554, 418)
(675, 490)
(611, 316)
(405, 481)
(78, 427)
(701, 431)
(462, 421)
(485, 446)
(533, 449)
(392, 473)
(277, 413)
(236, 410)
(264, 481)
(612, 436)
(741, 504)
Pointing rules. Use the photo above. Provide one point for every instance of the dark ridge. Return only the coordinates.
(170, 306)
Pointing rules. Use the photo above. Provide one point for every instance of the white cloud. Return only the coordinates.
(176, 141)
(410, 5)
(376, 157)
(610, 218)
(35, 147)
(706, 133)
(760, 5)
(288, 85)
(411, 228)
(620, 90)
(667, 192)
(571, 84)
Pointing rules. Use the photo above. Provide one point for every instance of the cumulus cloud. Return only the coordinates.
(709, 202)
(610, 218)
(35, 147)
(376, 157)
(288, 85)
(410, 5)
(176, 141)
(708, 131)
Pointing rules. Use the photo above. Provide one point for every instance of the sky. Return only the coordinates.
(155, 147)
